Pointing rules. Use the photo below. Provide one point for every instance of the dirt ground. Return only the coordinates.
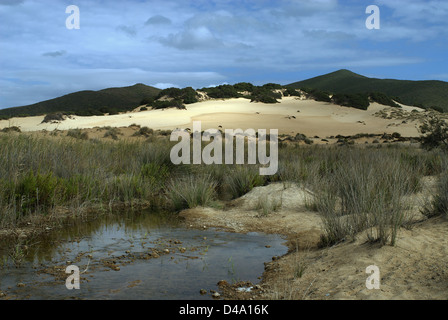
(416, 268)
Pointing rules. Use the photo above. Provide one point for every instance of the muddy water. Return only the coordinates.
(145, 256)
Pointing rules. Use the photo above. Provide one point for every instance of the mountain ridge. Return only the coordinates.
(421, 93)
(88, 102)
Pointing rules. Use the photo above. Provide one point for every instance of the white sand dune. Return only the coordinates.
(291, 116)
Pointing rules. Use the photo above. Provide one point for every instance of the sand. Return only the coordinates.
(290, 116)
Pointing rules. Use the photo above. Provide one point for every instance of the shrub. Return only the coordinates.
(143, 131)
(358, 100)
(35, 191)
(53, 117)
(192, 191)
(11, 129)
(244, 86)
(242, 179)
(265, 95)
(435, 132)
(186, 95)
(265, 205)
(112, 133)
(78, 134)
(439, 204)
(383, 99)
(222, 92)
(176, 103)
(292, 92)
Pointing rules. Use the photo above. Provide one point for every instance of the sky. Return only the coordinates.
(200, 43)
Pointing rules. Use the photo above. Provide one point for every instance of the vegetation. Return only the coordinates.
(87, 103)
(435, 132)
(426, 94)
(357, 100)
(353, 190)
(265, 94)
(58, 116)
(225, 91)
(186, 95)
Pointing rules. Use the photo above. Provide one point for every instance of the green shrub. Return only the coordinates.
(435, 132)
(192, 191)
(244, 86)
(222, 92)
(35, 192)
(357, 100)
(53, 117)
(383, 99)
(242, 179)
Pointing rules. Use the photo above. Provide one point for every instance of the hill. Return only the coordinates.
(84, 103)
(426, 94)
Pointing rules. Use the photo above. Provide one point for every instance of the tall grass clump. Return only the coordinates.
(191, 191)
(243, 178)
(438, 205)
(267, 205)
(364, 192)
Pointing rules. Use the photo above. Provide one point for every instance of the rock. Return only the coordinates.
(216, 295)
(20, 285)
(222, 283)
(203, 291)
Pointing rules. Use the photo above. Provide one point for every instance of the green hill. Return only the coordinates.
(426, 94)
(84, 103)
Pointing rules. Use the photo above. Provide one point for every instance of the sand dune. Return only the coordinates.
(291, 116)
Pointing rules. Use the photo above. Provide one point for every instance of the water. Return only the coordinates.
(126, 258)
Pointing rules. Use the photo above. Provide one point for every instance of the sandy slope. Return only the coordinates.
(291, 116)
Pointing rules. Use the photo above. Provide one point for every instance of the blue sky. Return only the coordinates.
(209, 42)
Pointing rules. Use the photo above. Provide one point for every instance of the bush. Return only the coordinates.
(78, 134)
(168, 104)
(11, 129)
(292, 92)
(192, 191)
(222, 92)
(112, 133)
(35, 191)
(358, 100)
(244, 86)
(383, 99)
(242, 179)
(186, 95)
(320, 96)
(435, 133)
(143, 131)
(53, 117)
(265, 95)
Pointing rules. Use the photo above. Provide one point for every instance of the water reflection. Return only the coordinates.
(138, 256)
